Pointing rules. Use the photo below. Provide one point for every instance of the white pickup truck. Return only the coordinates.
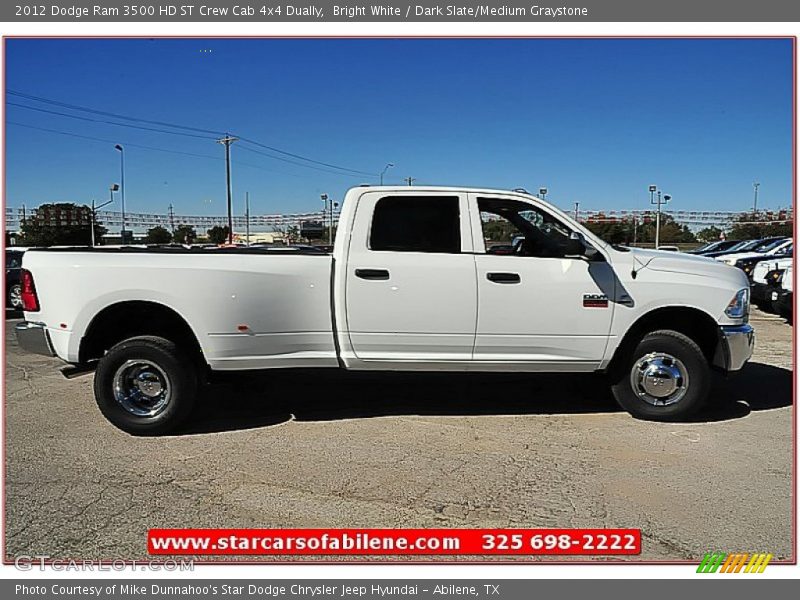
(411, 284)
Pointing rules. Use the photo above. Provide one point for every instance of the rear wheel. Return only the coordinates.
(665, 378)
(15, 296)
(145, 386)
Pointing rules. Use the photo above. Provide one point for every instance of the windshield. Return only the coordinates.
(747, 245)
(769, 245)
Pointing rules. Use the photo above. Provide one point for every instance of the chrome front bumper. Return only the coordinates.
(735, 346)
(33, 337)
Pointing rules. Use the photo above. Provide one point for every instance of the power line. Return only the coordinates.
(294, 162)
(155, 148)
(108, 114)
(317, 162)
(61, 114)
(165, 124)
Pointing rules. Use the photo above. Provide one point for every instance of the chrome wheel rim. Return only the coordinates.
(659, 379)
(142, 388)
(15, 296)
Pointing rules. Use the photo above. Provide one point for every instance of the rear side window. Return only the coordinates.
(13, 260)
(416, 224)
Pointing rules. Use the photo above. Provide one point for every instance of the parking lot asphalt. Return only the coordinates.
(330, 449)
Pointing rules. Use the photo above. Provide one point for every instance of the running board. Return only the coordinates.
(73, 371)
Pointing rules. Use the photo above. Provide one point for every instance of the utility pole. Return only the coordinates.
(227, 141)
(330, 229)
(755, 196)
(247, 215)
(92, 223)
(409, 180)
(121, 151)
(171, 218)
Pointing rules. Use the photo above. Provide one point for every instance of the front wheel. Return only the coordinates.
(145, 386)
(665, 378)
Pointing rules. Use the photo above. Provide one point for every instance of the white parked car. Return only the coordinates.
(409, 286)
(762, 290)
(774, 248)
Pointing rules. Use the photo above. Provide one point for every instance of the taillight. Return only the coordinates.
(30, 302)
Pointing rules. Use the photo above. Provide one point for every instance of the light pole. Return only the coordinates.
(386, 168)
(324, 198)
(96, 208)
(247, 214)
(121, 150)
(658, 202)
(755, 196)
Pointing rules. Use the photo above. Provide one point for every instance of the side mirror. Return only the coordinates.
(576, 245)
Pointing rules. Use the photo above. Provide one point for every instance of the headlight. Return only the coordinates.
(730, 261)
(739, 305)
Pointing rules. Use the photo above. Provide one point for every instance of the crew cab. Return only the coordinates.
(412, 284)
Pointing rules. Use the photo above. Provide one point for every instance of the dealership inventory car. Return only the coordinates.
(718, 246)
(410, 286)
(777, 248)
(13, 287)
(766, 279)
(783, 299)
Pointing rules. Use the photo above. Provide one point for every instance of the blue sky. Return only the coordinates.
(595, 121)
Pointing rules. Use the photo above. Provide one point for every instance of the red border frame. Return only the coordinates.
(400, 562)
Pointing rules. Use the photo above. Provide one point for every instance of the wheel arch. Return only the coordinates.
(130, 318)
(694, 323)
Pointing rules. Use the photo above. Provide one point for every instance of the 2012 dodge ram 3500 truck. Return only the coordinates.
(411, 284)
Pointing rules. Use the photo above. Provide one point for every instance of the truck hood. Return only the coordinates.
(690, 264)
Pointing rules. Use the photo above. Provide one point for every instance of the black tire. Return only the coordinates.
(663, 346)
(13, 299)
(162, 362)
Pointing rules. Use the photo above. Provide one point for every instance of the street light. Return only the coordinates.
(121, 151)
(386, 168)
(755, 196)
(96, 208)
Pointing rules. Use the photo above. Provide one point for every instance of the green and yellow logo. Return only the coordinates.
(722, 562)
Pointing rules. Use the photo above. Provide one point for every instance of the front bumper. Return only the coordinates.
(735, 346)
(33, 337)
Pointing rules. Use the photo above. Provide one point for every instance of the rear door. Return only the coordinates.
(410, 278)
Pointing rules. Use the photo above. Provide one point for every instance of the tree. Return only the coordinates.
(218, 234)
(613, 232)
(292, 234)
(158, 235)
(184, 234)
(60, 224)
(709, 234)
(499, 230)
(761, 224)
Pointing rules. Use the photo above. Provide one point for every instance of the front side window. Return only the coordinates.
(514, 227)
(416, 224)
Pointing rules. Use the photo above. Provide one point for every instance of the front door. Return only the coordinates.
(538, 308)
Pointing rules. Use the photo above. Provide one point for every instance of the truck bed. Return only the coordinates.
(249, 308)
